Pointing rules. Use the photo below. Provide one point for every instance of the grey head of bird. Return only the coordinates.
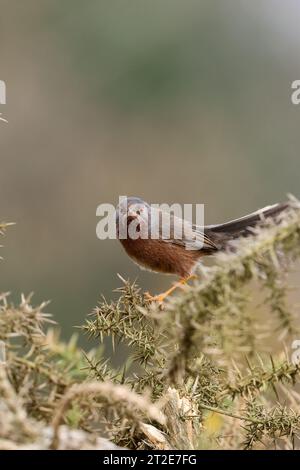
(132, 212)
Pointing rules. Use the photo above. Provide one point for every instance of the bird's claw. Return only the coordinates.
(155, 298)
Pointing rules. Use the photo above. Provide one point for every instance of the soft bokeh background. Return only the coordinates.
(170, 100)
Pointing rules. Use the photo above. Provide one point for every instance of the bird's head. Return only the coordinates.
(133, 209)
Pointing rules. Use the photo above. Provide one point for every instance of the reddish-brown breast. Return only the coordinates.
(161, 256)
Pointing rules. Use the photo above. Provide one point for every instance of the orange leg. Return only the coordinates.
(161, 297)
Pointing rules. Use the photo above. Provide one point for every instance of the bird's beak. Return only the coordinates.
(131, 214)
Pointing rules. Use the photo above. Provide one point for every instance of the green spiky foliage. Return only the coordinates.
(211, 368)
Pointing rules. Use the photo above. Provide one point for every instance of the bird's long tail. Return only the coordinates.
(224, 233)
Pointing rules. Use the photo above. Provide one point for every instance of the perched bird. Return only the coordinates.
(140, 229)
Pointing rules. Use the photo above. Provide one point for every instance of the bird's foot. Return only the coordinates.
(156, 298)
(161, 297)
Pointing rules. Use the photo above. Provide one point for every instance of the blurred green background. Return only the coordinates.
(170, 100)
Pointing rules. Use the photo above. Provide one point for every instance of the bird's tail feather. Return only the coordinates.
(242, 226)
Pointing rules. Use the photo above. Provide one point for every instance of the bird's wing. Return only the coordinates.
(183, 233)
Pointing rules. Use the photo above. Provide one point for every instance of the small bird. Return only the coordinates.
(171, 254)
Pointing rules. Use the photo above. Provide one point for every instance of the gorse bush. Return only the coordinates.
(211, 368)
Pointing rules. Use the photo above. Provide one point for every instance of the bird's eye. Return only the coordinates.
(138, 212)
